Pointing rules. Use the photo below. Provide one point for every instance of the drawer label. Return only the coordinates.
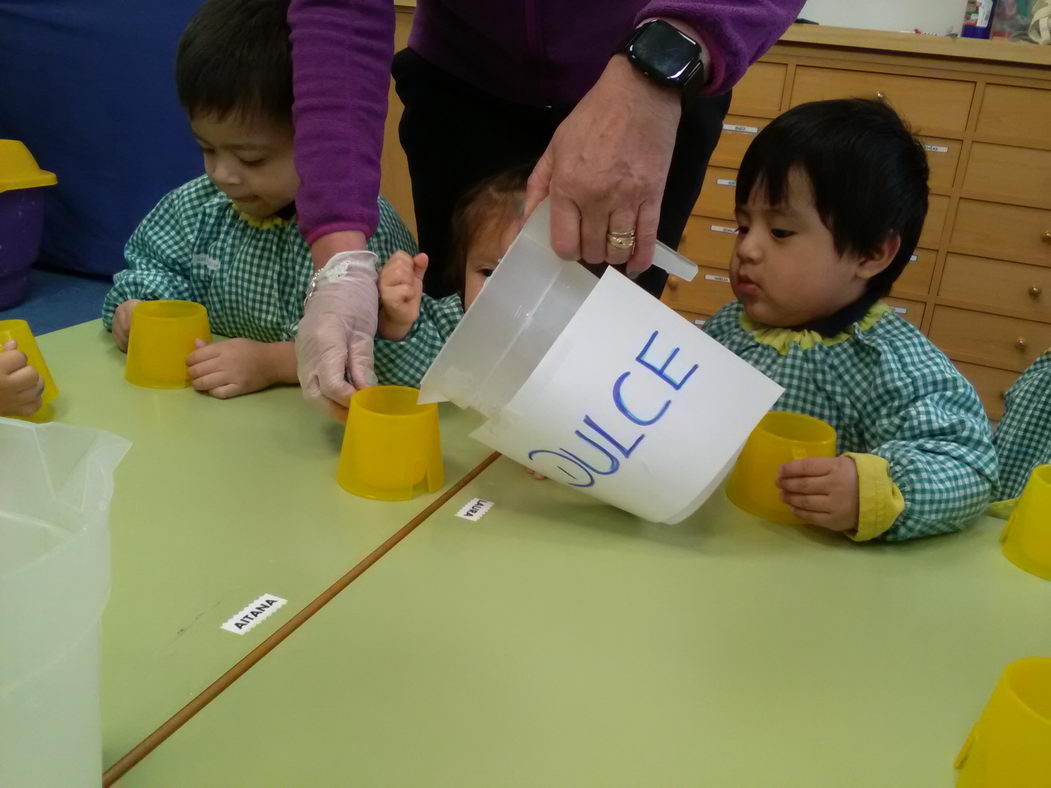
(741, 129)
(900, 310)
(719, 228)
(717, 278)
(246, 618)
(725, 182)
(699, 322)
(913, 259)
(935, 148)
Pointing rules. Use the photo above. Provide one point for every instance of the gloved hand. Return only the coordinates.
(336, 332)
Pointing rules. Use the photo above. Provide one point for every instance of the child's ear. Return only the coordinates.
(874, 264)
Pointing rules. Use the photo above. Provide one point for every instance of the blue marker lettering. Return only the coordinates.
(590, 422)
(591, 478)
(675, 384)
(618, 400)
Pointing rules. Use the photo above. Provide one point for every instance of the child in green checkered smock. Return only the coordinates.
(229, 239)
(831, 198)
(1023, 439)
(413, 327)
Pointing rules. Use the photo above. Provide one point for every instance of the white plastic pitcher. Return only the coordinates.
(56, 482)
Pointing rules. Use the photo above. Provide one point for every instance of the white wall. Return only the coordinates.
(930, 16)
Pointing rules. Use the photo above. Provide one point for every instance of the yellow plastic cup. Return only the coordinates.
(1010, 745)
(19, 331)
(779, 437)
(392, 446)
(162, 336)
(1027, 536)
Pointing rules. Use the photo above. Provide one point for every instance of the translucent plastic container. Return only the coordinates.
(56, 482)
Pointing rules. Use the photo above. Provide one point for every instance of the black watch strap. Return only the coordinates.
(667, 56)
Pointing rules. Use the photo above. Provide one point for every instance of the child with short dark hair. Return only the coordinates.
(831, 198)
(1023, 437)
(413, 327)
(229, 239)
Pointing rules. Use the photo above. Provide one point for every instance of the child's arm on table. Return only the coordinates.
(158, 256)
(412, 326)
(233, 367)
(20, 384)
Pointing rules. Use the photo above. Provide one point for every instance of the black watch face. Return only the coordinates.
(665, 52)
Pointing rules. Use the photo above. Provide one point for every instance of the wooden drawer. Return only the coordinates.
(991, 340)
(706, 294)
(709, 241)
(990, 383)
(738, 133)
(932, 106)
(759, 91)
(1021, 290)
(1007, 174)
(916, 278)
(937, 210)
(943, 156)
(717, 193)
(693, 317)
(1011, 232)
(909, 310)
(1018, 115)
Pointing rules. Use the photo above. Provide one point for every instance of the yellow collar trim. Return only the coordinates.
(782, 339)
(260, 224)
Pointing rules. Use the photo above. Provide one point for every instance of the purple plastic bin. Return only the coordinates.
(21, 225)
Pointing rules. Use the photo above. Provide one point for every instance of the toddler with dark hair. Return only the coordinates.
(831, 198)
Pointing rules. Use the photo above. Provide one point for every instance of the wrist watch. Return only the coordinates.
(667, 56)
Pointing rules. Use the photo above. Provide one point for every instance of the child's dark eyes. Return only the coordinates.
(742, 229)
(251, 162)
(781, 234)
(486, 272)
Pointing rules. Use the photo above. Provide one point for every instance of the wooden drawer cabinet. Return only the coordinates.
(990, 383)
(1008, 174)
(908, 309)
(709, 240)
(943, 157)
(937, 210)
(718, 193)
(1010, 232)
(1013, 288)
(992, 340)
(706, 294)
(760, 91)
(915, 280)
(1018, 115)
(932, 106)
(738, 133)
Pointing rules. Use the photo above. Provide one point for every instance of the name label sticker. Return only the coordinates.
(718, 228)
(725, 182)
(717, 278)
(741, 129)
(475, 509)
(935, 148)
(900, 310)
(913, 259)
(250, 615)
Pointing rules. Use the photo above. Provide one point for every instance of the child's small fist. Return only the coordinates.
(401, 289)
(122, 323)
(822, 491)
(229, 368)
(20, 385)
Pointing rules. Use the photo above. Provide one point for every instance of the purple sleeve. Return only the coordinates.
(736, 33)
(341, 56)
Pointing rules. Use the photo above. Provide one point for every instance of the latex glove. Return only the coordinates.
(334, 343)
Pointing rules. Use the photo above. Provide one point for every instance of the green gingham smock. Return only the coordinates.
(403, 363)
(251, 274)
(1023, 439)
(888, 392)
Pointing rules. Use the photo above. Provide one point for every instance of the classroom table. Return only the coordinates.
(559, 642)
(217, 503)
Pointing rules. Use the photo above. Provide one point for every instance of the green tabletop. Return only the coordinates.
(217, 503)
(561, 642)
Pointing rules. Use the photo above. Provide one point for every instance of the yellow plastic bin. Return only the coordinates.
(22, 184)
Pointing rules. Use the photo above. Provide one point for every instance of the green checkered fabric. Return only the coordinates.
(404, 363)
(1023, 439)
(252, 275)
(888, 391)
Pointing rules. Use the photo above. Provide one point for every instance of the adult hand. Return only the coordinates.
(822, 491)
(336, 332)
(606, 167)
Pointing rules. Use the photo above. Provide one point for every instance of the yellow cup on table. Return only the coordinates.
(1010, 745)
(19, 331)
(779, 437)
(392, 446)
(163, 334)
(1027, 536)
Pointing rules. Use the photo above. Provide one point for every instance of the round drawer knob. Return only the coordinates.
(673, 283)
(1021, 343)
(1047, 236)
(881, 96)
(1035, 292)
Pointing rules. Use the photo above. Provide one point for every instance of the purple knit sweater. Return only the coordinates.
(534, 52)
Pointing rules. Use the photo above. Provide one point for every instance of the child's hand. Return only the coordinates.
(232, 367)
(122, 323)
(401, 288)
(822, 491)
(20, 384)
